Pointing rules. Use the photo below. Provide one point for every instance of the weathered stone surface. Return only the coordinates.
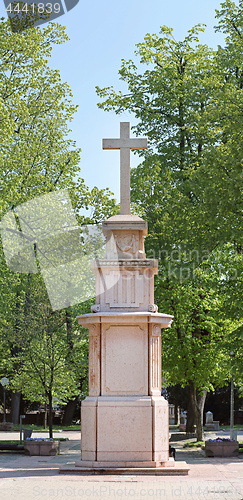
(124, 430)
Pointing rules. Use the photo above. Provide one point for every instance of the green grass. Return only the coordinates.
(75, 427)
(227, 427)
(201, 444)
(194, 444)
(12, 441)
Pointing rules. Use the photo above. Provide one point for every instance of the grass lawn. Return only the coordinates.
(75, 427)
(201, 444)
(12, 441)
(227, 427)
(194, 444)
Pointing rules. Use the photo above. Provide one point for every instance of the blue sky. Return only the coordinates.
(101, 34)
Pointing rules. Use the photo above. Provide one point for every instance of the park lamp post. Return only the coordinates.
(232, 355)
(4, 382)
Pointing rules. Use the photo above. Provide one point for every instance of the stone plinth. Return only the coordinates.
(171, 468)
(211, 424)
(125, 429)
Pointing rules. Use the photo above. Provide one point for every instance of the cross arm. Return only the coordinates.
(124, 143)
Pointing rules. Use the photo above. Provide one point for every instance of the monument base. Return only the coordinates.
(123, 464)
(127, 468)
(125, 429)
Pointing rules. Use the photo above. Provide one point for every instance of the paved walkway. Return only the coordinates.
(28, 478)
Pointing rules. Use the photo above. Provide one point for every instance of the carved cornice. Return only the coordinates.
(152, 263)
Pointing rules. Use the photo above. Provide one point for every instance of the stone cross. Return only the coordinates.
(124, 143)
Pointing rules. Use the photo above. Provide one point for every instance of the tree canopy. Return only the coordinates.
(38, 156)
(187, 98)
(188, 103)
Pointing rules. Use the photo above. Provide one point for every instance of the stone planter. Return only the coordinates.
(221, 448)
(38, 447)
(182, 428)
(181, 436)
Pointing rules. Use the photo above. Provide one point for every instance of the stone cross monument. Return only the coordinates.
(125, 144)
(125, 420)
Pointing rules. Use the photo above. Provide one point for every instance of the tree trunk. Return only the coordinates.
(69, 412)
(69, 325)
(45, 417)
(191, 416)
(15, 406)
(197, 399)
(200, 401)
(50, 414)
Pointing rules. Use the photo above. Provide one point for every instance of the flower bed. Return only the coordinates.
(41, 446)
(221, 447)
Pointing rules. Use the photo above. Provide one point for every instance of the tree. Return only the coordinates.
(196, 348)
(169, 100)
(188, 187)
(37, 157)
(49, 362)
(191, 174)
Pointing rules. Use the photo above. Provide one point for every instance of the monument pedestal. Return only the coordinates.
(125, 420)
(125, 430)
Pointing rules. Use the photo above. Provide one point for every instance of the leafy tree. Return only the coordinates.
(37, 156)
(184, 102)
(48, 361)
(196, 348)
(188, 187)
(169, 100)
(45, 375)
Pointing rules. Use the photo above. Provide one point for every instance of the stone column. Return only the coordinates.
(94, 360)
(154, 360)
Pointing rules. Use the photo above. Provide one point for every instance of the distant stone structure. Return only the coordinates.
(211, 424)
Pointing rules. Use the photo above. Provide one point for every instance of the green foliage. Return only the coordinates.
(187, 99)
(188, 103)
(35, 154)
(44, 354)
(196, 348)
